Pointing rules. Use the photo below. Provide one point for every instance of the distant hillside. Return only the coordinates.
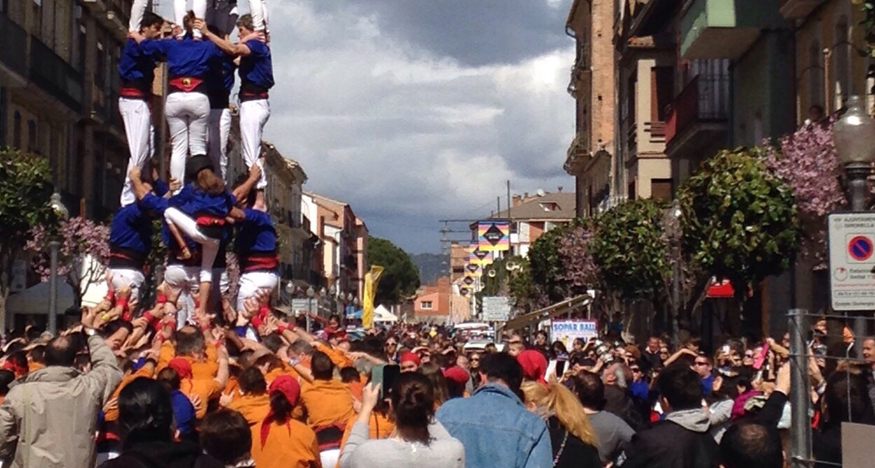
(430, 266)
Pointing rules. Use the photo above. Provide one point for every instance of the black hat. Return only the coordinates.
(195, 164)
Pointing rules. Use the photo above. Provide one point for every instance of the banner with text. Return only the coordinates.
(567, 331)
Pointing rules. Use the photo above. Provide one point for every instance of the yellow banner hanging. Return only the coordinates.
(372, 279)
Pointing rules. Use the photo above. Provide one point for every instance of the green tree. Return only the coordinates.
(740, 220)
(545, 269)
(400, 277)
(25, 190)
(629, 249)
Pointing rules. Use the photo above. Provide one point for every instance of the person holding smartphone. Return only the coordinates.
(420, 440)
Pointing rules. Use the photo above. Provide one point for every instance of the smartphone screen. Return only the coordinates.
(390, 379)
(560, 368)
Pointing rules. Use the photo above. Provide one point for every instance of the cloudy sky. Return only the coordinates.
(418, 110)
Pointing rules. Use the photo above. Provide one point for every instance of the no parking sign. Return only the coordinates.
(852, 260)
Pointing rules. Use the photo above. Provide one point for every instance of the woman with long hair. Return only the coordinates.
(146, 423)
(420, 441)
(574, 440)
(280, 441)
(438, 382)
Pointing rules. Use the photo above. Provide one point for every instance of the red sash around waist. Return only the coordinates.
(186, 83)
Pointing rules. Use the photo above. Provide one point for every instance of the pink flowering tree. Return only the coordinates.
(79, 238)
(807, 161)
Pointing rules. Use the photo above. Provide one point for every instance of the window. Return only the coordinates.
(660, 189)
(661, 92)
(32, 146)
(16, 130)
(815, 75)
(842, 63)
(100, 69)
(425, 305)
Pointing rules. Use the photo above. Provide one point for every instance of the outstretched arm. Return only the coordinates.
(226, 46)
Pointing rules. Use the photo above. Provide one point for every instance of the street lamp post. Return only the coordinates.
(672, 224)
(854, 138)
(310, 294)
(62, 213)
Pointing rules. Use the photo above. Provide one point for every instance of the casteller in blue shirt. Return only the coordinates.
(256, 69)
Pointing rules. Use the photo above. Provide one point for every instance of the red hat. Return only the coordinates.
(290, 388)
(181, 366)
(408, 356)
(534, 365)
(456, 374)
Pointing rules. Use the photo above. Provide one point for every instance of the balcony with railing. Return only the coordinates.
(13, 53)
(57, 77)
(699, 114)
(578, 154)
(712, 29)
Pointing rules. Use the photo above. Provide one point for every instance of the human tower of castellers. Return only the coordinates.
(199, 214)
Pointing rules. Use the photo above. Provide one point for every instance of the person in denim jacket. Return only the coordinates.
(493, 425)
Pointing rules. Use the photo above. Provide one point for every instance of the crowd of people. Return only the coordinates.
(115, 392)
(201, 378)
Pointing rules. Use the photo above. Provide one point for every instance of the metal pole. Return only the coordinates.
(857, 174)
(800, 435)
(309, 311)
(53, 288)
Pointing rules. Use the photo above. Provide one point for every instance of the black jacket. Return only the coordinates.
(576, 453)
(681, 441)
(163, 455)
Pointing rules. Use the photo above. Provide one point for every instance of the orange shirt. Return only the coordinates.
(208, 368)
(205, 389)
(327, 402)
(357, 388)
(148, 370)
(292, 446)
(285, 370)
(34, 366)
(337, 357)
(254, 408)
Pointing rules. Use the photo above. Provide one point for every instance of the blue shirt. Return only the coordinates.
(183, 412)
(497, 430)
(185, 57)
(256, 69)
(193, 201)
(256, 234)
(137, 64)
(131, 229)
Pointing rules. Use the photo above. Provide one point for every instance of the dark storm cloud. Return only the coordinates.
(474, 32)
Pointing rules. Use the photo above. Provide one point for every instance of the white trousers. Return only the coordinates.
(138, 128)
(253, 117)
(183, 280)
(188, 115)
(260, 15)
(137, 11)
(198, 6)
(219, 130)
(252, 282)
(209, 246)
(120, 277)
(329, 457)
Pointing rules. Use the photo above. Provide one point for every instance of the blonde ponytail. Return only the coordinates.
(559, 400)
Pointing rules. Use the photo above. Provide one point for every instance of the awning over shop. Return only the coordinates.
(546, 313)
